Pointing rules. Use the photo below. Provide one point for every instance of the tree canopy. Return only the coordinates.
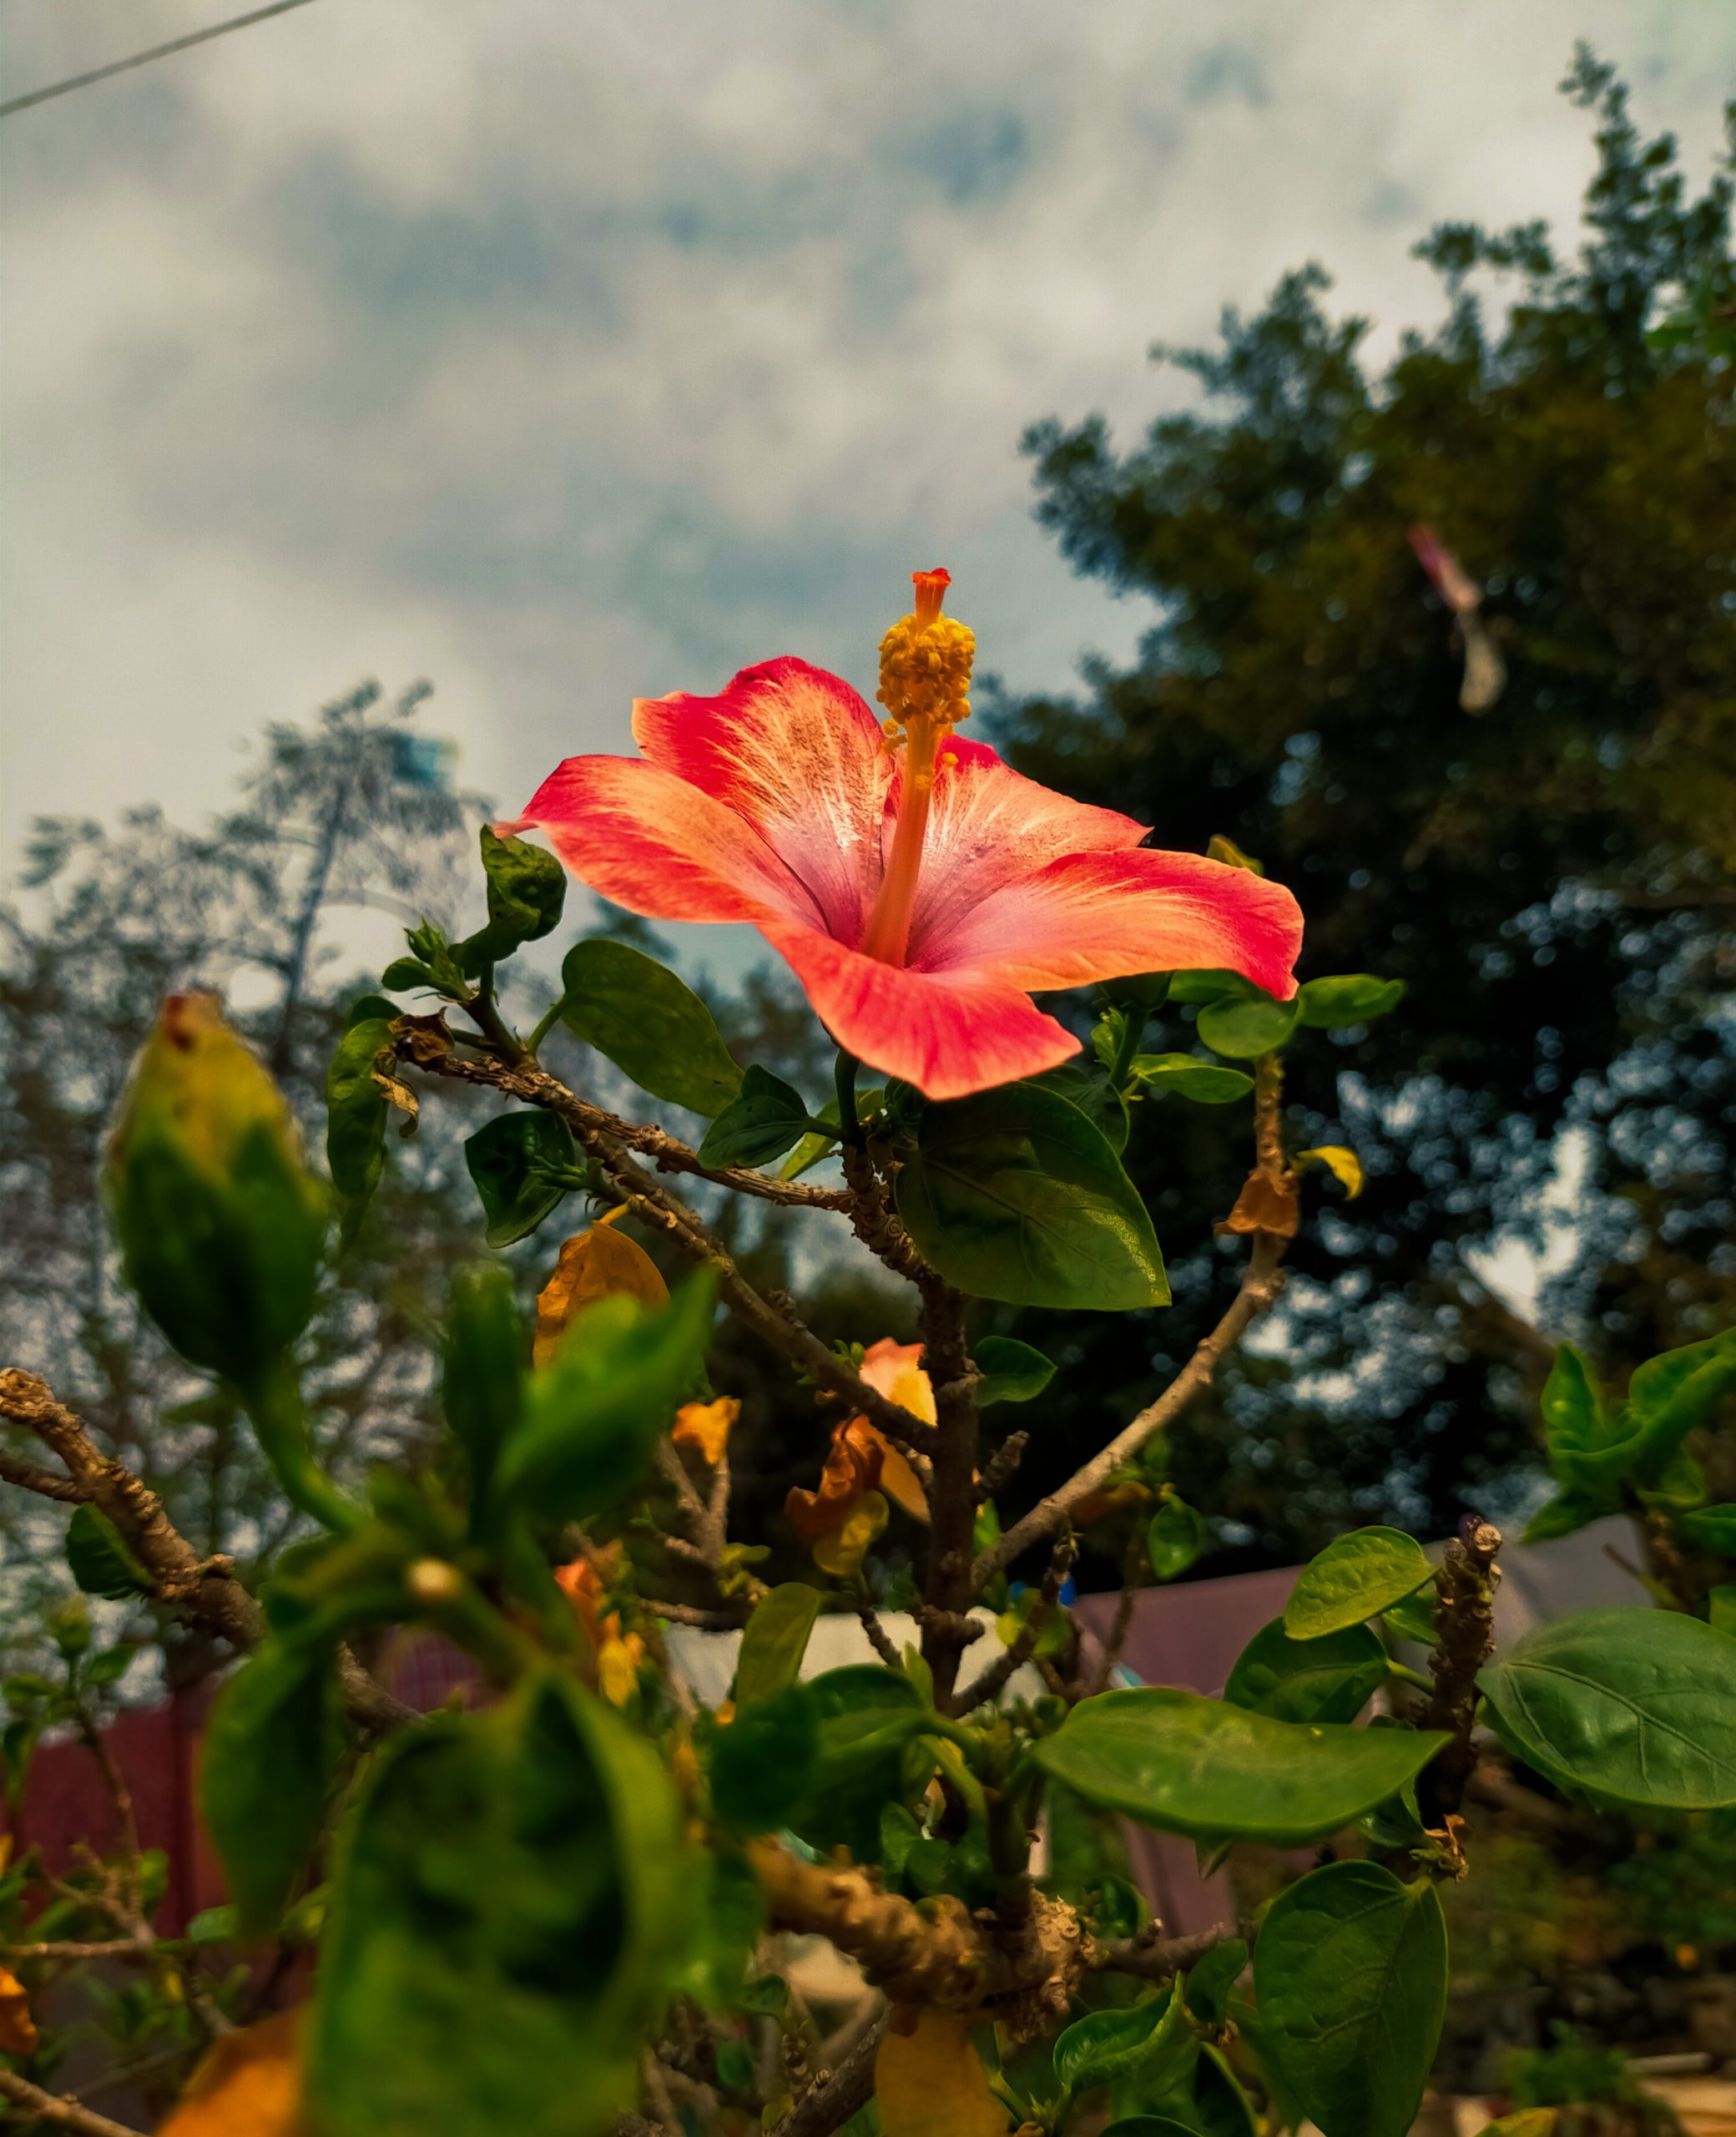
(1553, 875)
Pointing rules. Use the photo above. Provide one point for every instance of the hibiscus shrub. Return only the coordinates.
(546, 1908)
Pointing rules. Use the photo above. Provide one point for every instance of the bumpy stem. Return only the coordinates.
(1464, 1621)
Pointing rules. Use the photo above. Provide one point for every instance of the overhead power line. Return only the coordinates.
(141, 58)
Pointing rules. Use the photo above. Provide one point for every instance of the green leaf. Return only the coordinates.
(1185, 1076)
(1011, 1371)
(1589, 1448)
(769, 1117)
(1213, 1771)
(109, 1667)
(1244, 1030)
(1412, 1618)
(1355, 1578)
(1214, 986)
(521, 1164)
(1670, 1394)
(1104, 2045)
(1721, 1609)
(1635, 1704)
(868, 1717)
(1561, 1516)
(272, 1749)
(762, 1762)
(1351, 998)
(1087, 1086)
(404, 975)
(1713, 1528)
(100, 1559)
(1350, 1978)
(356, 1110)
(593, 1413)
(1013, 1194)
(1175, 1537)
(775, 1640)
(1213, 1977)
(1327, 1680)
(527, 889)
(1209, 2103)
(649, 1023)
(512, 1899)
(482, 1387)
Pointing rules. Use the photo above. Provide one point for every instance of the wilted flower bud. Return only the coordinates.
(219, 1223)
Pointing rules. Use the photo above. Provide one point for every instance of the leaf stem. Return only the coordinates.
(279, 1423)
(850, 1128)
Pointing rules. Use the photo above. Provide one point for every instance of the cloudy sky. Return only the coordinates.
(562, 351)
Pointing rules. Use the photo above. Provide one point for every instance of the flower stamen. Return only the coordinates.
(925, 682)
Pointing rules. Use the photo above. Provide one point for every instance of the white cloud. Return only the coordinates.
(565, 350)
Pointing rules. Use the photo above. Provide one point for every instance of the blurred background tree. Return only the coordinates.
(1553, 873)
(353, 813)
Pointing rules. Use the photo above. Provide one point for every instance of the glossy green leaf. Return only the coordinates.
(649, 1023)
(1350, 1976)
(1586, 1446)
(100, 1559)
(593, 1413)
(1670, 1394)
(1412, 1618)
(272, 1749)
(355, 1112)
(1013, 1194)
(1355, 1578)
(1211, 1978)
(482, 1387)
(762, 1761)
(521, 1164)
(1214, 1771)
(1721, 1608)
(527, 889)
(769, 1118)
(1564, 1514)
(1208, 2102)
(405, 975)
(1635, 1704)
(1185, 1076)
(1351, 998)
(1214, 986)
(1244, 1030)
(868, 1717)
(1104, 2045)
(1331, 1679)
(510, 1903)
(1174, 1539)
(775, 1640)
(1711, 1527)
(1011, 1371)
(1087, 1085)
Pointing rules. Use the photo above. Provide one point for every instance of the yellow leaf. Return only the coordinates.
(706, 1426)
(841, 1550)
(618, 1667)
(250, 2085)
(593, 1264)
(17, 2028)
(929, 2080)
(1345, 1165)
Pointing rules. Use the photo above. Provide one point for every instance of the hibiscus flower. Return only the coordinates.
(920, 889)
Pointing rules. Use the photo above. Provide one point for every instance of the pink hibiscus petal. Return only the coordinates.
(646, 839)
(948, 1033)
(1100, 915)
(799, 756)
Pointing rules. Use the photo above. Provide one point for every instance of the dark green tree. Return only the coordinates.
(1553, 874)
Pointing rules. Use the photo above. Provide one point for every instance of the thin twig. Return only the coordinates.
(1123, 1623)
(988, 1685)
(1155, 1959)
(661, 1209)
(878, 1638)
(835, 2095)
(58, 2111)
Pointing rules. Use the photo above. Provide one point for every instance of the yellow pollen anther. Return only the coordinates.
(925, 661)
